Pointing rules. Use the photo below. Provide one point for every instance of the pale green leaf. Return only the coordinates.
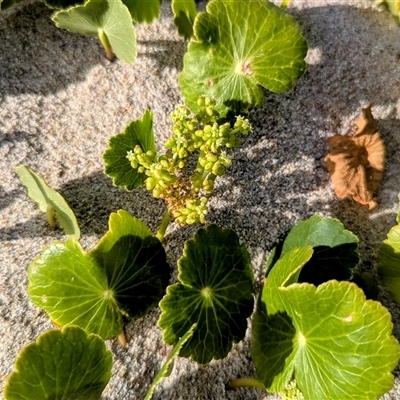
(215, 291)
(49, 201)
(118, 167)
(126, 274)
(61, 365)
(239, 46)
(108, 20)
(335, 343)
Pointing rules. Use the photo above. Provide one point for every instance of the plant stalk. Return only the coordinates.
(106, 44)
(122, 339)
(163, 227)
(244, 382)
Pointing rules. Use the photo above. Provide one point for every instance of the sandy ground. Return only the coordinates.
(60, 101)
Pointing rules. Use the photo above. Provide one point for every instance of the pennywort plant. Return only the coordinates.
(314, 333)
(112, 22)
(309, 324)
(132, 161)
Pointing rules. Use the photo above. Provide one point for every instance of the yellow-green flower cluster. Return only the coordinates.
(203, 134)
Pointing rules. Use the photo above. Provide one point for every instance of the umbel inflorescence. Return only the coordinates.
(204, 135)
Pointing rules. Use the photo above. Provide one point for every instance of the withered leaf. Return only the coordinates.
(356, 162)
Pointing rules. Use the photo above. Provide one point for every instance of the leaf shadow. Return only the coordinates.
(36, 64)
(92, 198)
(163, 53)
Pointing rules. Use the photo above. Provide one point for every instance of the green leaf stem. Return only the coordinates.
(166, 368)
(49, 201)
(67, 364)
(333, 341)
(108, 20)
(124, 275)
(215, 291)
(239, 45)
(118, 167)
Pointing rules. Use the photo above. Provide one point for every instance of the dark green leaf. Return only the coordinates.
(135, 264)
(63, 4)
(49, 201)
(143, 10)
(185, 13)
(67, 365)
(118, 167)
(126, 274)
(108, 20)
(335, 249)
(337, 344)
(215, 291)
(240, 45)
(4, 4)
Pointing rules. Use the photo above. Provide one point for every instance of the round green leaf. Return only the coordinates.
(336, 343)
(389, 261)
(108, 20)
(135, 264)
(239, 45)
(335, 249)
(118, 167)
(49, 201)
(67, 283)
(215, 291)
(126, 274)
(67, 365)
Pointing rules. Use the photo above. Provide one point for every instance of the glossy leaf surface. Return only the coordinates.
(336, 343)
(335, 249)
(126, 274)
(215, 291)
(118, 167)
(67, 365)
(238, 46)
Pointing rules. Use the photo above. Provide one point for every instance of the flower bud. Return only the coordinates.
(150, 183)
(201, 101)
(138, 149)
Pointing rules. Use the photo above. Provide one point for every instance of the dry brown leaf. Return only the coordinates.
(356, 162)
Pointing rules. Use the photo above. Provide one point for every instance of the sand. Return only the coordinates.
(60, 102)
